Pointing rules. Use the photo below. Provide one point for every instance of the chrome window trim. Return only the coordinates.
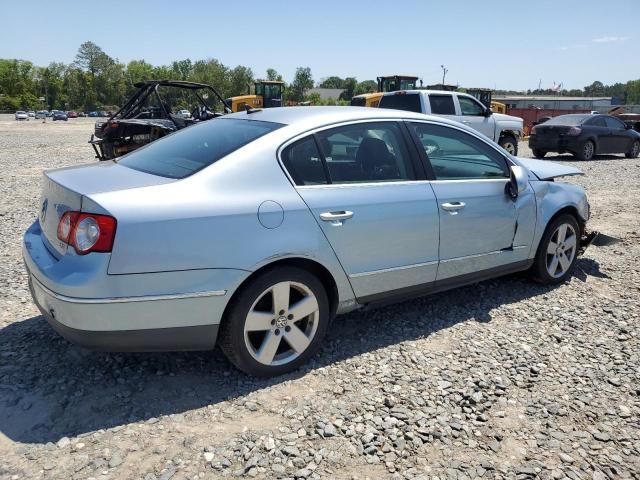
(392, 269)
(146, 298)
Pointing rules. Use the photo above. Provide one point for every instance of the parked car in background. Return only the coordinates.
(584, 135)
(82, 114)
(94, 114)
(103, 113)
(58, 115)
(311, 212)
(503, 129)
(72, 114)
(184, 114)
(31, 114)
(20, 115)
(42, 114)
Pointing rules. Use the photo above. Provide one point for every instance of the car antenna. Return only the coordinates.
(249, 109)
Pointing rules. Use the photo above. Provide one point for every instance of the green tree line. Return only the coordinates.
(95, 80)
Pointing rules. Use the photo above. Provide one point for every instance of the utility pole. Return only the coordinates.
(444, 73)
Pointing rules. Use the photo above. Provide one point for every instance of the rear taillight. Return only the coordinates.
(574, 131)
(87, 232)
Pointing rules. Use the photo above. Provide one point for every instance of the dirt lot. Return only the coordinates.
(505, 379)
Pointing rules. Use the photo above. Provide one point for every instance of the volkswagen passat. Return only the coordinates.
(254, 229)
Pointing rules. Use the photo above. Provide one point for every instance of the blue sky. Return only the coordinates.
(492, 43)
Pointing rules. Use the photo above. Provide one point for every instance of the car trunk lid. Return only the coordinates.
(63, 190)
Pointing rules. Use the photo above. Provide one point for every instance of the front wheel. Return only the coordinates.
(634, 151)
(276, 323)
(509, 143)
(587, 151)
(558, 251)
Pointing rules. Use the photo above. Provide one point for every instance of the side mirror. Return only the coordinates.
(627, 126)
(488, 112)
(518, 181)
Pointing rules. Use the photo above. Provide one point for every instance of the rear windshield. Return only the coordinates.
(568, 120)
(185, 152)
(409, 102)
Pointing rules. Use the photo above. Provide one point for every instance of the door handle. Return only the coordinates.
(336, 218)
(453, 207)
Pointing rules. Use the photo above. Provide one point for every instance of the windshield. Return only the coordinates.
(393, 84)
(187, 151)
(568, 120)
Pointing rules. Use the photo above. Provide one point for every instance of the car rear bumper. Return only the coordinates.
(562, 144)
(137, 312)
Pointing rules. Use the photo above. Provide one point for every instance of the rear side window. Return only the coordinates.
(442, 104)
(598, 122)
(366, 152)
(188, 151)
(406, 101)
(303, 162)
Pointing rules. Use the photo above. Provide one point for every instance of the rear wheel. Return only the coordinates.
(276, 323)
(558, 250)
(634, 151)
(587, 151)
(538, 153)
(509, 143)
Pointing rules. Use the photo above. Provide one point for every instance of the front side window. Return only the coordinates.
(187, 151)
(456, 155)
(442, 104)
(469, 106)
(366, 152)
(613, 123)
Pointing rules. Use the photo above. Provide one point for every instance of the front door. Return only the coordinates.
(363, 188)
(481, 227)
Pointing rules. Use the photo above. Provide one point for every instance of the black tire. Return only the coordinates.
(509, 143)
(538, 153)
(587, 151)
(539, 270)
(634, 151)
(232, 332)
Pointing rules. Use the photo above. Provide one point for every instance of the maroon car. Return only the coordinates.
(72, 114)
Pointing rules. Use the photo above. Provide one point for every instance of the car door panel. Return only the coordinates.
(491, 230)
(481, 226)
(475, 118)
(391, 240)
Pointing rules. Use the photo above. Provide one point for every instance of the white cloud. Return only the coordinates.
(570, 47)
(609, 39)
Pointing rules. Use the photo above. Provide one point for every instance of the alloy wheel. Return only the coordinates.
(281, 323)
(587, 150)
(561, 250)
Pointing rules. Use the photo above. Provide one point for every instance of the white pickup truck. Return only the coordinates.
(502, 129)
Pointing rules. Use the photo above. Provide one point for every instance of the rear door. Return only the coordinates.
(481, 227)
(368, 194)
(442, 104)
(472, 113)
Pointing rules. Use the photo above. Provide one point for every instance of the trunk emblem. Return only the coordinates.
(43, 210)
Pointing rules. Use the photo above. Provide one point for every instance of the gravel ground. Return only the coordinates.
(504, 379)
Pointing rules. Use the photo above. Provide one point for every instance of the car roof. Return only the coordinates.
(317, 116)
(425, 92)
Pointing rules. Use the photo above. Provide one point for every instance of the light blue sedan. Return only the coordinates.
(253, 230)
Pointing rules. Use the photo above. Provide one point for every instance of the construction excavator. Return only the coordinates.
(262, 94)
(392, 83)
